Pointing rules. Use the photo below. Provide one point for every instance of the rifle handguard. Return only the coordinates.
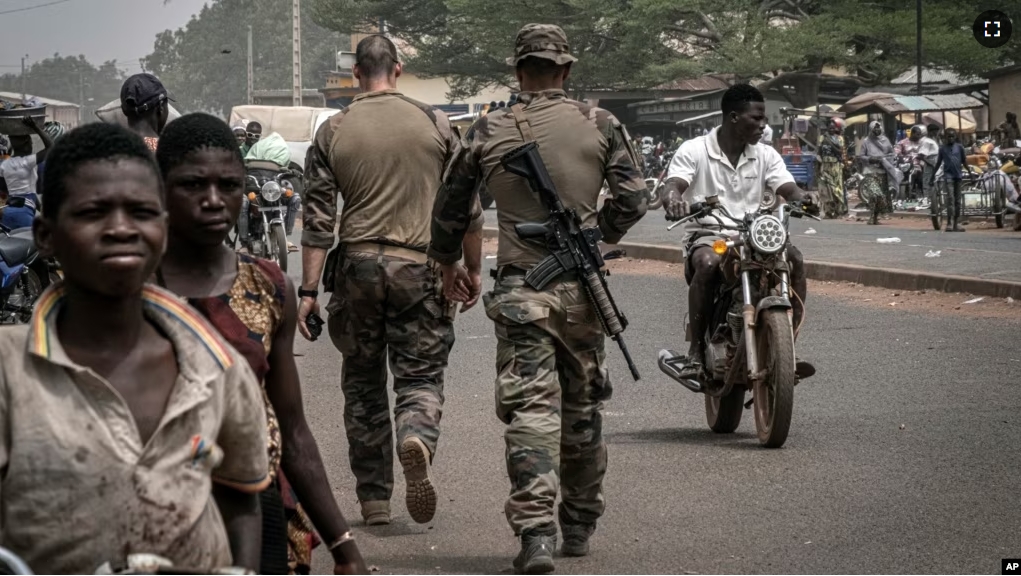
(602, 302)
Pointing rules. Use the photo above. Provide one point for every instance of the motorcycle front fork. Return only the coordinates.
(750, 343)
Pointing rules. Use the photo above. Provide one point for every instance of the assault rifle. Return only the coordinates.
(573, 248)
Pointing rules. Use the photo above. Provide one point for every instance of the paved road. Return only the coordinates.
(849, 493)
(993, 254)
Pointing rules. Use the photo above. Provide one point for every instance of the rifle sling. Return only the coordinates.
(518, 111)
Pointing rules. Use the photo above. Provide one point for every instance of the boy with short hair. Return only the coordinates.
(121, 405)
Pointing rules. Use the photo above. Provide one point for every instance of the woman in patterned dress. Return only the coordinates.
(877, 156)
(831, 168)
(252, 303)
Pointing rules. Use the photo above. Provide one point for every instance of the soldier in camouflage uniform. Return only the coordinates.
(551, 375)
(385, 154)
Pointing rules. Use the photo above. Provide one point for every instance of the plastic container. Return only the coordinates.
(11, 123)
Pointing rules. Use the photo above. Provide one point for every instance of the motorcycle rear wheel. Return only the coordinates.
(774, 393)
(724, 414)
(278, 246)
(936, 205)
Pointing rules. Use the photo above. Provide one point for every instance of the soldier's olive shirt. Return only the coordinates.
(581, 146)
(385, 156)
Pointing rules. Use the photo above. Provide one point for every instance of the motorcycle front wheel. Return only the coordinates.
(774, 392)
(278, 245)
(724, 414)
(654, 198)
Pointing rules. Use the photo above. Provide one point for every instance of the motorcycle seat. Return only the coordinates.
(16, 250)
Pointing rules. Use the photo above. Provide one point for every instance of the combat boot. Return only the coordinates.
(376, 512)
(537, 546)
(421, 495)
(576, 537)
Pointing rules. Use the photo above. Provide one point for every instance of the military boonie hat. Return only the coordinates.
(542, 41)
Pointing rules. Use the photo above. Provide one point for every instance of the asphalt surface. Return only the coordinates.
(994, 254)
(850, 492)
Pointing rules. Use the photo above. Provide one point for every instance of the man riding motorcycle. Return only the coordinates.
(728, 162)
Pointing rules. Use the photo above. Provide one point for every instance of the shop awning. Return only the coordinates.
(699, 117)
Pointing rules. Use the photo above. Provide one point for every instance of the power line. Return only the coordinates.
(36, 7)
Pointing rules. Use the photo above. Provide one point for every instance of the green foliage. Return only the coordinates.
(469, 40)
(71, 79)
(642, 43)
(193, 63)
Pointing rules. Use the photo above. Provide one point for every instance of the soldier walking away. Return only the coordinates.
(385, 154)
(551, 375)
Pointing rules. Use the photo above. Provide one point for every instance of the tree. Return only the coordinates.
(469, 40)
(204, 63)
(788, 43)
(71, 79)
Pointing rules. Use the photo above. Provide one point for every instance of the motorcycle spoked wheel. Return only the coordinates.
(773, 394)
(655, 199)
(724, 414)
(936, 205)
(277, 247)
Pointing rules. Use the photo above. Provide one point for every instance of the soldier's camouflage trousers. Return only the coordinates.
(386, 308)
(550, 387)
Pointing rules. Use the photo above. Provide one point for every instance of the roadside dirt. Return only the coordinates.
(854, 294)
(975, 224)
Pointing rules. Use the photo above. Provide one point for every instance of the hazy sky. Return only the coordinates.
(100, 29)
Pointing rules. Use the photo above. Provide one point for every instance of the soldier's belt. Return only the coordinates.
(388, 250)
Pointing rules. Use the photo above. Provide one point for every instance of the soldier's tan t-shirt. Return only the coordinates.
(78, 488)
(385, 156)
(580, 145)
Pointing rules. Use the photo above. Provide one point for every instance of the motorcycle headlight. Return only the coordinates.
(271, 191)
(767, 234)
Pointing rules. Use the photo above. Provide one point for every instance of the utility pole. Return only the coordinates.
(81, 95)
(24, 79)
(250, 70)
(297, 53)
(918, 47)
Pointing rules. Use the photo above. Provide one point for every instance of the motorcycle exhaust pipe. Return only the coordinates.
(670, 364)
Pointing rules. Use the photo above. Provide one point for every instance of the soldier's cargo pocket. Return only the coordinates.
(337, 325)
(504, 310)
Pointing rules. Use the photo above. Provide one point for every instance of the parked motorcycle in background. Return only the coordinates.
(23, 275)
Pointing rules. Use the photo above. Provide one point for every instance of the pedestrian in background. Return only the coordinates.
(954, 161)
(552, 379)
(145, 102)
(831, 173)
(385, 154)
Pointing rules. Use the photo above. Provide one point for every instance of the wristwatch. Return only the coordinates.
(302, 293)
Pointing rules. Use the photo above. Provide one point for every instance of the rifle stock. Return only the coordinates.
(572, 247)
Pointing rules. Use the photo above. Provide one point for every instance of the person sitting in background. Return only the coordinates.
(123, 410)
(21, 177)
(928, 154)
(145, 102)
(253, 133)
(1007, 133)
(241, 135)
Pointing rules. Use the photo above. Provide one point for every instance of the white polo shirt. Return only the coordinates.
(708, 172)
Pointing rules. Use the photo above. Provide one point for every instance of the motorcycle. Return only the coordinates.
(268, 186)
(21, 270)
(749, 342)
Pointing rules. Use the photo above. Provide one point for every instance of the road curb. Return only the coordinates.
(894, 279)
